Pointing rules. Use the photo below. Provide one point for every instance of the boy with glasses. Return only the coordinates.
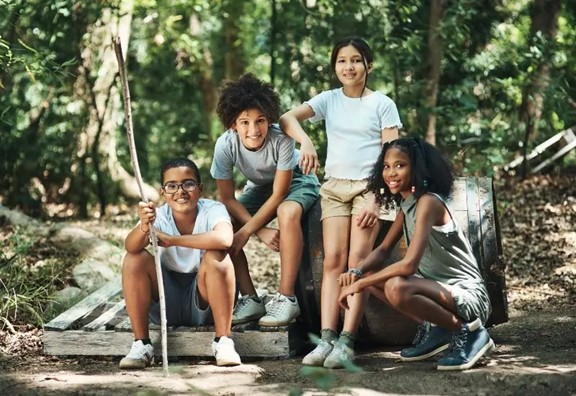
(194, 235)
(276, 187)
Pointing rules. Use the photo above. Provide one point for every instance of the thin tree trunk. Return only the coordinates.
(544, 16)
(234, 56)
(433, 60)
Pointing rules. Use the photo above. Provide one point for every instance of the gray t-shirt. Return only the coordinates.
(259, 167)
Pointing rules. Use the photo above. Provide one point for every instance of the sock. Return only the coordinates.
(347, 338)
(216, 340)
(145, 341)
(291, 298)
(328, 335)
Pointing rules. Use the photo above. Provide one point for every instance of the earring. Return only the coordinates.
(382, 191)
(425, 183)
(413, 189)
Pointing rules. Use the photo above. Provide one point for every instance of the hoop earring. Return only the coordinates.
(413, 189)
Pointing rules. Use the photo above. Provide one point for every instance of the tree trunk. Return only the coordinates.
(433, 61)
(98, 141)
(234, 54)
(544, 17)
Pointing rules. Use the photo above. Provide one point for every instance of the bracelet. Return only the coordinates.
(356, 272)
(145, 232)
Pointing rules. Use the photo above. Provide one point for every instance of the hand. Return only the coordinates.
(368, 216)
(346, 291)
(147, 214)
(163, 239)
(240, 240)
(270, 236)
(309, 162)
(347, 278)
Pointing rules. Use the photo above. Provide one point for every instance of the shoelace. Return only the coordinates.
(458, 340)
(421, 334)
(276, 305)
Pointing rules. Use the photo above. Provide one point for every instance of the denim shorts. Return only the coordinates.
(182, 301)
(304, 189)
(343, 197)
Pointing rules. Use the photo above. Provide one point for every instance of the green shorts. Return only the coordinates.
(472, 301)
(304, 189)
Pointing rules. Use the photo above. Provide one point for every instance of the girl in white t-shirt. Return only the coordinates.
(358, 122)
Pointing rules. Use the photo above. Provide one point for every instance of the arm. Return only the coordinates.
(139, 237)
(219, 238)
(290, 124)
(389, 134)
(430, 212)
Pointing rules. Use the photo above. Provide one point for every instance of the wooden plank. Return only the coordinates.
(181, 343)
(85, 307)
(561, 153)
(473, 224)
(106, 317)
(493, 267)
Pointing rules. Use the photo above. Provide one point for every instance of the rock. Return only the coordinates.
(91, 274)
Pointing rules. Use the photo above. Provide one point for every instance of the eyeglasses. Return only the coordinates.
(187, 185)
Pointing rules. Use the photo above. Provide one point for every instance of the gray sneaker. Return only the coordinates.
(280, 311)
(139, 357)
(318, 355)
(340, 355)
(247, 309)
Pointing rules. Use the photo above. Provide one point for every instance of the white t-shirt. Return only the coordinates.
(185, 259)
(354, 130)
(259, 167)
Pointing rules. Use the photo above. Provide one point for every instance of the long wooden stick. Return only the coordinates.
(135, 165)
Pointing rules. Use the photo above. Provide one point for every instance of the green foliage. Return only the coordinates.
(180, 51)
(27, 281)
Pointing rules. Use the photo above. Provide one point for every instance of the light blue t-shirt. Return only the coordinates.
(259, 167)
(354, 130)
(185, 259)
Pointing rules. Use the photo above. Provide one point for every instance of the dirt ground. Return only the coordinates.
(535, 353)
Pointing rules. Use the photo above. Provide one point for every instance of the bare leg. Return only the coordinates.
(423, 299)
(140, 286)
(335, 237)
(216, 285)
(291, 244)
(361, 244)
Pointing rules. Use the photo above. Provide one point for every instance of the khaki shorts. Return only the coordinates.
(342, 197)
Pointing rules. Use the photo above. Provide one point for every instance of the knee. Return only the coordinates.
(396, 290)
(335, 261)
(289, 213)
(135, 262)
(217, 261)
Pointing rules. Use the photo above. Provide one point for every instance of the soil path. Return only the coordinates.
(535, 355)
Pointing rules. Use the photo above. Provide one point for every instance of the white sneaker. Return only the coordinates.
(318, 355)
(280, 311)
(139, 357)
(339, 356)
(247, 309)
(225, 353)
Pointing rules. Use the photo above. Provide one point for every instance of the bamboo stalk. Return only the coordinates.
(138, 175)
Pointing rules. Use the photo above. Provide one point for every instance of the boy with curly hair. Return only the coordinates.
(276, 187)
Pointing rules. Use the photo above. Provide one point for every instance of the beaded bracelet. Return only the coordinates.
(356, 272)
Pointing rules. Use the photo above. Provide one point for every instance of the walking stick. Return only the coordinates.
(134, 158)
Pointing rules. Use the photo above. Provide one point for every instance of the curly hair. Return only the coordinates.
(178, 162)
(248, 92)
(431, 172)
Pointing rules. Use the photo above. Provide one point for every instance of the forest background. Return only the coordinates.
(484, 80)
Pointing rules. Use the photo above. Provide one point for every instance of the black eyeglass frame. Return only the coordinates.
(192, 186)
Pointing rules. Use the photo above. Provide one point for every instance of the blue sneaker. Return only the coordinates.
(467, 346)
(429, 341)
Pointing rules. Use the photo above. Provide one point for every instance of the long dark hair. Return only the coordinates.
(431, 172)
(362, 47)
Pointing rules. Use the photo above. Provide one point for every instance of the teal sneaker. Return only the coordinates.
(467, 347)
(429, 341)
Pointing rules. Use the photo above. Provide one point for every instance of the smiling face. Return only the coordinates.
(179, 177)
(252, 127)
(397, 172)
(350, 68)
